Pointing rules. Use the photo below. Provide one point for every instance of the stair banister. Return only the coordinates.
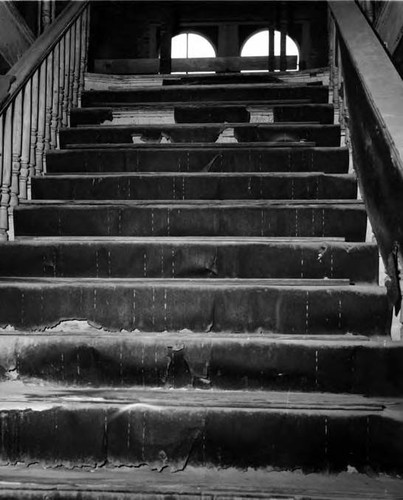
(373, 91)
(47, 81)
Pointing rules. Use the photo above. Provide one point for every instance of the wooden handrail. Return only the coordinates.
(46, 83)
(374, 95)
(30, 61)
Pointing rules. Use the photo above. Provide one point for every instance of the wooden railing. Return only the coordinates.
(47, 82)
(369, 93)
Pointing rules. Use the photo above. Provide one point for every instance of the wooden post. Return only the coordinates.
(55, 102)
(66, 78)
(46, 13)
(16, 149)
(77, 62)
(271, 61)
(40, 144)
(26, 140)
(34, 122)
(49, 99)
(6, 177)
(283, 36)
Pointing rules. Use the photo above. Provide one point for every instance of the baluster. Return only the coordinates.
(49, 99)
(6, 171)
(83, 54)
(40, 144)
(60, 120)
(66, 78)
(71, 66)
(77, 62)
(16, 154)
(26, 140)
(55, 104)
(34, 123)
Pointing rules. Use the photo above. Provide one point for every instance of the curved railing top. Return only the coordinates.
(24, 68)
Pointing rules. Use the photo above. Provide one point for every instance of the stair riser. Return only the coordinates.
(191, 260)
(348, 222)
(194, 94)
(177, 437)
(201, 160)
(322, 113)
(198, 307)
(206, 187)
(321, 135)
(205, 363)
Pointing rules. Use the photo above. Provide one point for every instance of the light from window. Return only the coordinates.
(258, 45)
(188, 45)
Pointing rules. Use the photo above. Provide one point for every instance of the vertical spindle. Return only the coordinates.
(77, 62)
(16, 149)
(61, 122)
(66, 78)
(40, 144)
(71, 67)
(6, 171)
(49, 101)
(83, 52)
(26, 140)
(34, 122)
(55, 100)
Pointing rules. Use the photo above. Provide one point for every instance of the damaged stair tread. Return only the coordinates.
(180, 282)
(195, 175)
(30, 395)
(76, 354)
(198, 482)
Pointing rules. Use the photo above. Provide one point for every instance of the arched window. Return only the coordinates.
(189, 45)
(258, 45)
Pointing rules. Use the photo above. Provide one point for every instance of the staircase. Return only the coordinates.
(190, 289)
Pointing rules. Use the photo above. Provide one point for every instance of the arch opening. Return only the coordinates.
(258, 45)
(189, 45)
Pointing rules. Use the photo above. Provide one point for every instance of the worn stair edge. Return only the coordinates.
(216, 159)
(321, 135)
(192, 93)
(195, 186)
(112, 483)
(198, 305)
(177, 219)
(314, 432)
(91, 357)
(37, 483)
(196, 257)
(205, 113)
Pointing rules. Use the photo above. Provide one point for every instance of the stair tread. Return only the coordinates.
(198, 482)
(189, 282)
(223, 126)
(225, 175)
(32, 204)
(188, 145)
(208, 240)
(256, 147)
(16, 393)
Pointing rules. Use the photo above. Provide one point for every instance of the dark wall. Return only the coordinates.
(130, 30)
